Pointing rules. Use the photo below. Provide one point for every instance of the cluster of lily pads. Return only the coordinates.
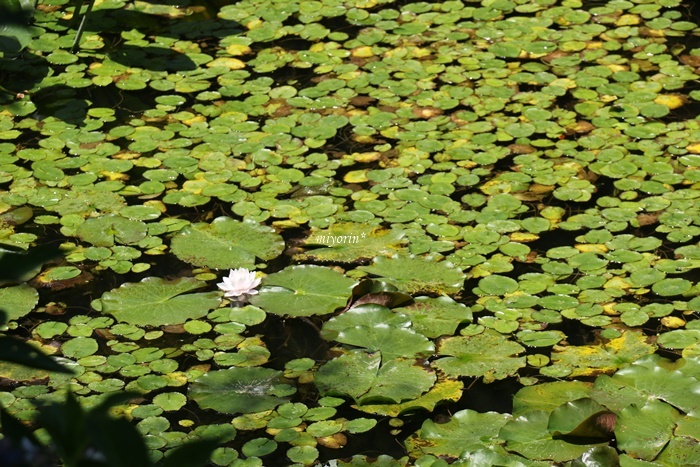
(440, 192)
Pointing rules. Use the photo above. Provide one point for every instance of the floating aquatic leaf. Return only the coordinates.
(157, 302)
(435, 317)
(109, 230)
(303, 291)
(489, 354)
(359, 375)
(349, 242)
(529, 436)
(448, 390)
(227, 244)
(548, 396)
(412, 274)
(604, 357)
(643, 431)
(240, 390)
(18, 301)
(651, 377)
(465, 431)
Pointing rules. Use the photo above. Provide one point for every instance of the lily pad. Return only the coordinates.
(652, 377)
(643, 432)
(413, 274)
(467, 430)
(435, 317)
(109, 230)
(358, 374)
(304, 291)
(376, 328)
(603, 357)
(240, 390)
(18, 301)
(227, 244)
(489, 354)
(529, 436)
(349, 242)
(158, 302)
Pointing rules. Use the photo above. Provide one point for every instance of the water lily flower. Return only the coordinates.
(239, 283)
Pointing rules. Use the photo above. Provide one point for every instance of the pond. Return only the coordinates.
(475, 223)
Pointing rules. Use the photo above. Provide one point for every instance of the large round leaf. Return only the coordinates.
(157, 302)
(304, 291)
(648, 378)
(109, 230)
(359, 375)
(240, 390)
(529, 436)
(17, 301)
(227, 244)
(375, 327)
(643, 431)
(466, 430)
(412, 274)
(490, 355)
(348, 242)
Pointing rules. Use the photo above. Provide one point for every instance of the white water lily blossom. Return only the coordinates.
(240, 282)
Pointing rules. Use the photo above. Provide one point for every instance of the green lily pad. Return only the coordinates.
(643, 431)
(489, 354)
(412, 274)
(375, 328)
(303, 291)
(358, 374)
(448, 390)
(466, 430)
(240, 390)
(435, 317)
(651, 377)
(170, 401)
(549, 396)
(157, 302)
(349, 242)
(604, 357)
(496, 285)
(529, 436)
(227, 244)
(18, 301)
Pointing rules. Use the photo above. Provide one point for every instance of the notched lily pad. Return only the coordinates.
(18, 301)
(110, 230)
(362, 376)
(435, 317)
(603, 357)
(413, 274)
(158, 302)
(304, 291)
(350, 242)
(227, 244)
(240, 390)
(466, 430)
(489, 354)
